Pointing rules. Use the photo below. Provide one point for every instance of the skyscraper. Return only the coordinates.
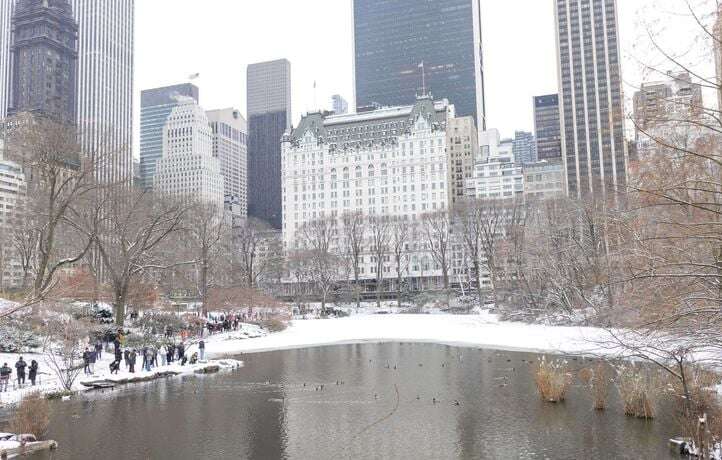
(6, 14)
(188, 169)
(591, 104)
(44, 59)
(404, 47)
(339, 104)
(524, 148)
(156, 106)
(269, 116)
(547, 129)
(105, 82)
(230, 146)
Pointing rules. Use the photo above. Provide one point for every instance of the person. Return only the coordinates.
(169, 352)
(181, 351)
(163, 355)
(118, 355)
(145, 356)
(115, 366)
(99, 349)
(131, 361)
(202, 350)
(5, 372)
(154, 353)
(126, 357)
(93, 355)
(194, 358)
(86, 361)
(148, 359)
(20, 369)
(33, 374)
(116, 343)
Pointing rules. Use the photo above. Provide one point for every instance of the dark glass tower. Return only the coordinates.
(547, 128)
(591, 103)
(392, 39)
(44, 59)
(269, 116)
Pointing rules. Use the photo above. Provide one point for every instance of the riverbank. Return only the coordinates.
(474, 331)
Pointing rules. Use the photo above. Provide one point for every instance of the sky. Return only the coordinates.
(219, 38)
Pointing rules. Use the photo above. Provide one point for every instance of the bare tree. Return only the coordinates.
(400, 235)
(257, 251)
(133, 226)
(206, 236)
(354, 233)
(318, 242)
(63, 350)
(61, 184)
(437, 232)
(379, 228)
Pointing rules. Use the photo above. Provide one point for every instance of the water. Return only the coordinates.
(239, 415)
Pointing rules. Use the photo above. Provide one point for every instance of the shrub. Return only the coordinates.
(32, 415)
(273, 325)
(639, 390)
(552, 379)
(599, 385)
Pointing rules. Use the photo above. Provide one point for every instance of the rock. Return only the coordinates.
(212, 369)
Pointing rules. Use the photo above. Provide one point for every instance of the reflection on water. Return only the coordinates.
(274, 408)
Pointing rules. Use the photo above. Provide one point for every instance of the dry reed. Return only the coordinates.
(32, 415)
(552, 379)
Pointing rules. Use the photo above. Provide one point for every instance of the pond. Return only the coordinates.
(383, 407)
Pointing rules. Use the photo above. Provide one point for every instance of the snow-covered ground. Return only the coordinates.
(481, 331)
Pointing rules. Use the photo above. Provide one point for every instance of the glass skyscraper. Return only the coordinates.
(591, 103)
(546, 127)
(156, 105)
(405, 47)
(269, 116)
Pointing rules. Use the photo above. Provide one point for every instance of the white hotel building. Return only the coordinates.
(13, 188)
(188, 168)
(390, 161)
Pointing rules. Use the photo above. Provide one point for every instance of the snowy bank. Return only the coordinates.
(477, 331)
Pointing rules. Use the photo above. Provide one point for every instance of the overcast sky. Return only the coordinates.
(219, 38)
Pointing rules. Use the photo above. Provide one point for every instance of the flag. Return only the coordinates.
(194, 76)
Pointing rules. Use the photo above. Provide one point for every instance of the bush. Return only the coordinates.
(639, 390)
(17, 337)
(273, 325)
(32, 415)
(552, 379)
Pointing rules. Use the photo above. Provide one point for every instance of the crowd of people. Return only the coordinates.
(20, 367)
(152, 357)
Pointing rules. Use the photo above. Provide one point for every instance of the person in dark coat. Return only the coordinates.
(93, 359)
(118, 355)
(131, 360)
(115, 366)
(145, 355)
(99, 349)
(5, 372)
(169, 353)
(116, 344)
(181, 351)
(86, 361)
(20, 370)
(126, 356)
(33, 373)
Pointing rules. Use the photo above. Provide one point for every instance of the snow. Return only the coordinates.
(477, 331)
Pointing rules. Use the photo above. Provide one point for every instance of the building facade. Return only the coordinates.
(594, 150)
(463, 150)
(230, 147)
(339, 106)
(105, 83)
(6, 16)
(156, 105)
(547, 128)
(661, 102)
(544, 179)
(524, 148)
(389, 162)
(188, 168)
(496, 175)
(405, 48)
(44, 59)
(13, 189)
(269, 116)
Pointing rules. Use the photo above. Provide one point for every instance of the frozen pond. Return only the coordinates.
(264, 411)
